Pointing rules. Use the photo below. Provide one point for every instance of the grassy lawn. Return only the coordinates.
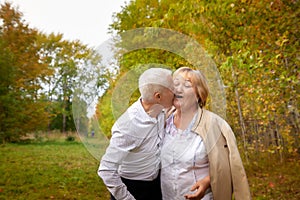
(50, 170)
(66, 170)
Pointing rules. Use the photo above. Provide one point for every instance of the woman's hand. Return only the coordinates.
(200, 186)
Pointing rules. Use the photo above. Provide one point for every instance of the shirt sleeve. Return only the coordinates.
(108, 172)
(119, 147)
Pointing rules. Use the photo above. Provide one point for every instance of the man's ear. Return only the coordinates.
(157, 95)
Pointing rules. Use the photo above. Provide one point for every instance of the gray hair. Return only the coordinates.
(154, 80)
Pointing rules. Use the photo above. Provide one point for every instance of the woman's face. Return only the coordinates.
(185, 95)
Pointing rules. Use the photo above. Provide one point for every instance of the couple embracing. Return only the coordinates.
(167, 146)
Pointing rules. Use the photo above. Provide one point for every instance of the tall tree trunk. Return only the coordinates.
(64, 110)
(241, 119)
(279, 139)
(64, 122)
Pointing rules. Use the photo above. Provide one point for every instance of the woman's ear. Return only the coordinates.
(200, 103)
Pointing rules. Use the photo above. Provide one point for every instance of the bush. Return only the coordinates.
(70, 138)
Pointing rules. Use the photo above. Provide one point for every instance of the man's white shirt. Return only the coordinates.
(134, 150)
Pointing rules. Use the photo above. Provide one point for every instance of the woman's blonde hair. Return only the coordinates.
(198, 81)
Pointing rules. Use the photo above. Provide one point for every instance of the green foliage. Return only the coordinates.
(105, 114)
(256, 47)
(39, 74)
(21, 73)
(70, 138)
(68, 59)
(254, 43)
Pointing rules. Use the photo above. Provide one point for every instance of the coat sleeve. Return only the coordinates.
(239, 179)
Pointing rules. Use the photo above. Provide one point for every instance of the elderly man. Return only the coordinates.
(131, 165)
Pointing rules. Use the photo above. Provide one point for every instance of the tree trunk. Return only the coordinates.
(64, 120)
(241, 119)
(64, 123)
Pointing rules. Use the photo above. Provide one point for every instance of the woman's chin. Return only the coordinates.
(176, 103)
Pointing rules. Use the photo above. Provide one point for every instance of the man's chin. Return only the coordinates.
(168, 107)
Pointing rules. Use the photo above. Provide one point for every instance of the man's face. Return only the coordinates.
(167, 97)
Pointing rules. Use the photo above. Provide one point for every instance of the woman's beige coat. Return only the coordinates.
(227, 174)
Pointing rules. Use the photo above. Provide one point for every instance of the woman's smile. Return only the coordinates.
(178, 96)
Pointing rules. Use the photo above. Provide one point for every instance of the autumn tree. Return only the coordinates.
(21, 104)
(255, 45)
(39, 74)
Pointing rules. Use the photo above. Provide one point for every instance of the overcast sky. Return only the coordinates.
(86, 20)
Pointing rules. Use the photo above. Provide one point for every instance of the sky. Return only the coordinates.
(85, 20)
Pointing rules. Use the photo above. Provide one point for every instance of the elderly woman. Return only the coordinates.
(199, 157)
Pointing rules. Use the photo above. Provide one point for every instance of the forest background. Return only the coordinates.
(254, 43)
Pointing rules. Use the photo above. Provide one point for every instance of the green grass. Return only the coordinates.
(57, 169)
(49, 170)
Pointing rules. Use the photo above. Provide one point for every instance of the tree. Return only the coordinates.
(70, 61)
(39, 74)
(21, 104)
(255, 45)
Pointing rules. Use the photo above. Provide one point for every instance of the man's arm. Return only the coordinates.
(109, 174)
(118, 149)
